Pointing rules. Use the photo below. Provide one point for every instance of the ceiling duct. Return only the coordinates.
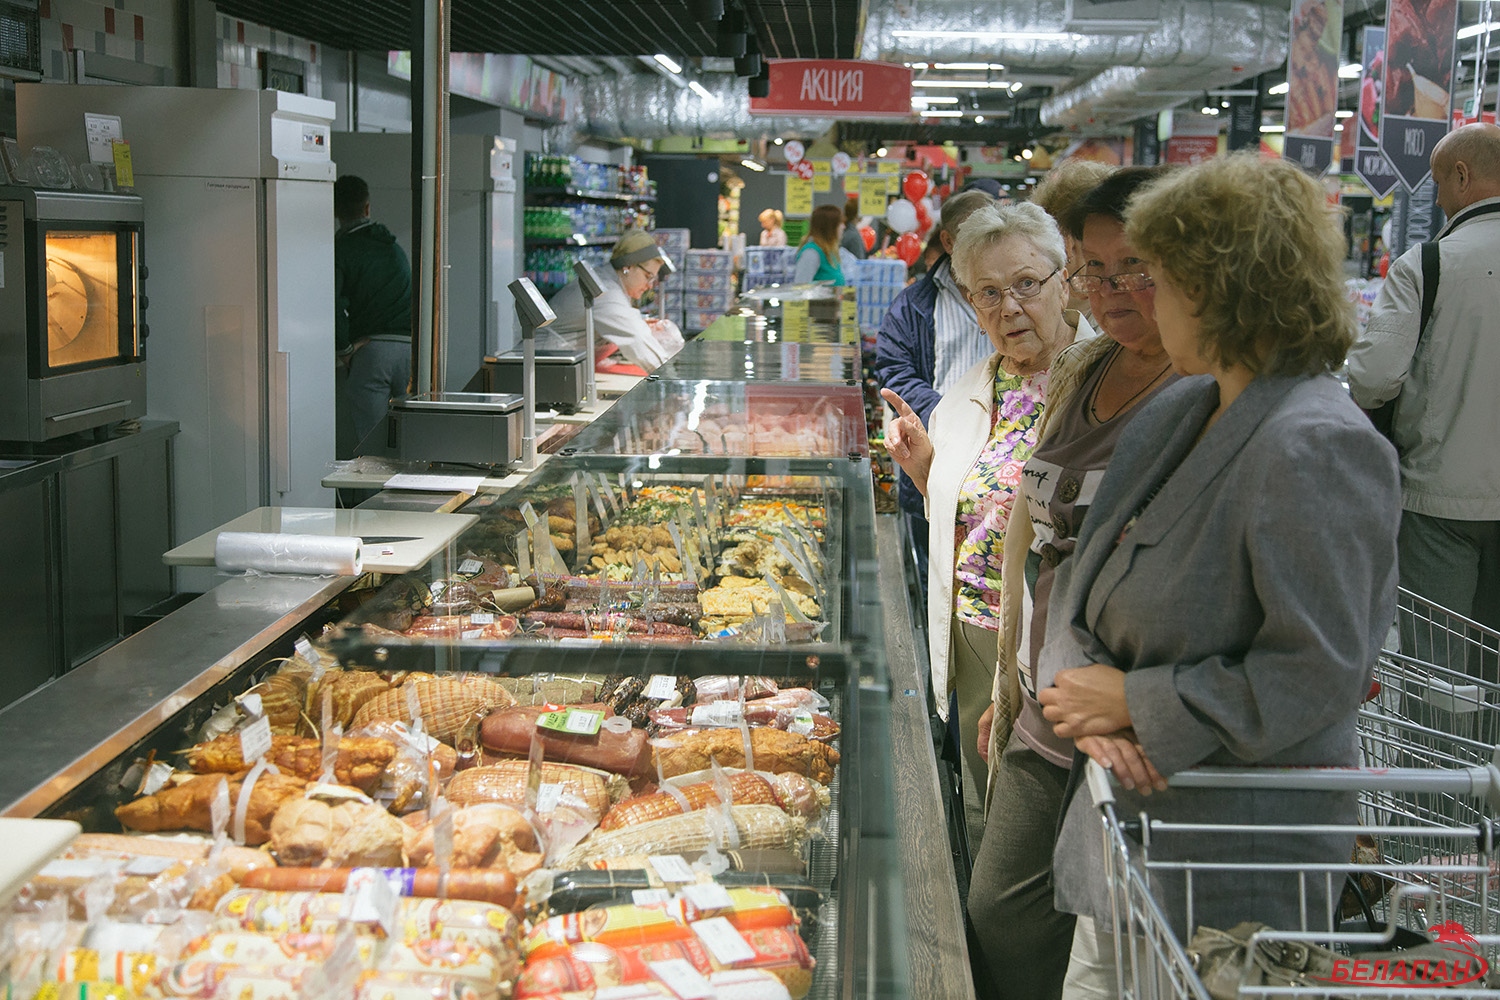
(648, 106)
(1120, 75)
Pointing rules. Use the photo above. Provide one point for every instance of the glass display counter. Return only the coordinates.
(749, 361)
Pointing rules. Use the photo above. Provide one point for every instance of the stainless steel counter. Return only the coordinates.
(66, 731)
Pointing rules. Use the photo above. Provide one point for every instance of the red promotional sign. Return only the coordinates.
(836, 88)
(1189, 149)
(803, 169)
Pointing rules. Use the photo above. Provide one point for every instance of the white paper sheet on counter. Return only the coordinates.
(434, 484)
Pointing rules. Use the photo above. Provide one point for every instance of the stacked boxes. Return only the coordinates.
(765, 266)
(708, 287)
(877, 282)
(675, 243)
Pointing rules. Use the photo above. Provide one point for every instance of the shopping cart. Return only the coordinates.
(1436, 876)
(1430, 633)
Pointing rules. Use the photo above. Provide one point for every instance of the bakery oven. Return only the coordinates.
(71, 334)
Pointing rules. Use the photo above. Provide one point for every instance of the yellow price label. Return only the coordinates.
(124, 169)
(887, 167)
(795, 321)
(822, 182)
(799, 198)
(872, 197)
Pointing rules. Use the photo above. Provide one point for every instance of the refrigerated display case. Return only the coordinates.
(747, 361)
(150, 697)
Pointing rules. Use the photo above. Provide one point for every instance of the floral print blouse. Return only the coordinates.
(987, 494)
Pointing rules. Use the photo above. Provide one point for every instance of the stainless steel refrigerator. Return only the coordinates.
(483, 248)
(238, 240)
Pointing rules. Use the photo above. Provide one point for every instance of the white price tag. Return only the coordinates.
(473, 633)
(663, 687)
(717, 713)
(682, 979)
(305, 650)
(721, 938)
(470, 567)
(251, 706)
(481, 618)
(802, 724)
(672, 868)
(369, 898)
(650, 897)
(708, 896)
(529, 515)
(149, 866)
(548, 796)
(255, 740)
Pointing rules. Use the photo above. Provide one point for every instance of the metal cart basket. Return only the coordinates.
(1433, 873)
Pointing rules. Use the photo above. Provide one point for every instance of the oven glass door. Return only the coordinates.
(91, 293)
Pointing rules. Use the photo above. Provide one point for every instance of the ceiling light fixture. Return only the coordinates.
(780, 140)
(1279, 89)
(993, 36)
(939, 99)
(1224, 103)
(758, 167)
(965, 84)
(997, 67)
(979, 119)
(699, 89)
(1016, 87)
(1273, 128)
(1351, 71)
(916, 65)
(1338, 128)
(729, 40)
(881, 151)
(667, 62)
(1343, 114)
(1026, 153)
(750, 63)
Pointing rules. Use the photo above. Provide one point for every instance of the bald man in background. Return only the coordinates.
(1446, 384)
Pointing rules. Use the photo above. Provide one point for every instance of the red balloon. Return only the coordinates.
(909, 248)
(915, 185)
(867, 233)
(924, 218)
(944, 190)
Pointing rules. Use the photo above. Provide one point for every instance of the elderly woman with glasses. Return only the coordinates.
(1096, 388)
(1009, 261)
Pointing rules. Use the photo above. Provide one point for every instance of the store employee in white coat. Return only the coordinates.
(636, 263)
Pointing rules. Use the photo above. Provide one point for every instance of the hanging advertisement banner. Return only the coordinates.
(836, 88)
(1370, 164)
(1417, 85)
(1312, 76)
(1195, 138)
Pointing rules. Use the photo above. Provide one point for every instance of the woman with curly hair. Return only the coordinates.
(1237, 571)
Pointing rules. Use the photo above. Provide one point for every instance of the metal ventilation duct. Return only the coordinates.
(1198, 45)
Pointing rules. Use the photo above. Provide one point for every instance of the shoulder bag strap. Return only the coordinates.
(1431, 272)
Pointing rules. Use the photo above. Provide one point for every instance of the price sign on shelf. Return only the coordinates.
(840, 163)
(793, 151)
(804, 169)
(799, 198)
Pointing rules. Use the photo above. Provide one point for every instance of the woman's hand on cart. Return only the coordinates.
(1122, 756)
(907, 441)
(1086, 701)
(985, 721)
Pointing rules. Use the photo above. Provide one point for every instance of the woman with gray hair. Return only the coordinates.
(1010, 261)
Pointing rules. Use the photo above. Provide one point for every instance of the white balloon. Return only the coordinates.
(901, 216)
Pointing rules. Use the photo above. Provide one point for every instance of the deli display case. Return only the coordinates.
(703, 632)
(749, 361)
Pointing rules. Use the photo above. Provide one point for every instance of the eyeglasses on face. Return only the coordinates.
(1129, 281)
(1020, 290)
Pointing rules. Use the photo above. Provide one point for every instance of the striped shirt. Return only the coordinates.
(958, 344)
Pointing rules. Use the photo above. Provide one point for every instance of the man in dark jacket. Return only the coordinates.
(372, 308)
(906, 352)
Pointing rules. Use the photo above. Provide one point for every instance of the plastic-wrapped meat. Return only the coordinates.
(583, 622)
(552, 598)
(756, 714)
(510, 730)
(461, 627)
(454, 597)
(733, 688)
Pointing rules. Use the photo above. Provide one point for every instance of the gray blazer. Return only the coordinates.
(1245, 586)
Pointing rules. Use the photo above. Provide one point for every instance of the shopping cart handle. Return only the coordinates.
(1099, 784)
(1480, 782)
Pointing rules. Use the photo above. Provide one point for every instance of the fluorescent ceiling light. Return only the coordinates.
(1471, 31)
(994, 36)
(699, 89)
(670, 64)
(1273, 128)
(965, 84)
(779, 140)
(943, 114)
(1279, 89)
(1026, 154)
(979, 66)
(1338, 128)
(979, 119)
(939, 99)
(1343, 114)
(881, 151)
(916, 65)
(754, 165)
(1350, 71)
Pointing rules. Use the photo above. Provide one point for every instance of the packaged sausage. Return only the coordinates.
(481, 924)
